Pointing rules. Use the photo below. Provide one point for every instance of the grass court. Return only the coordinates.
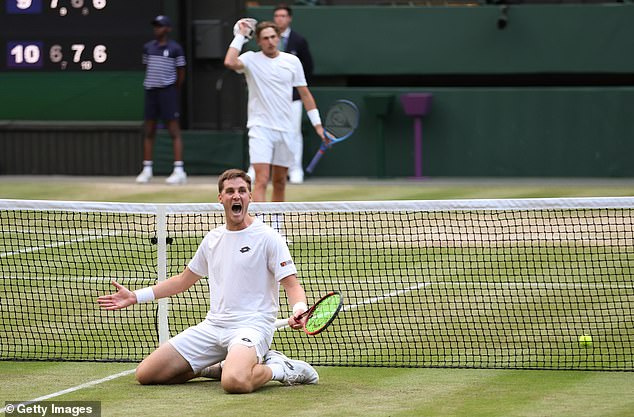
(349, 391)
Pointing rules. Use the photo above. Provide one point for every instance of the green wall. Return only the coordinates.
(205, 152)
(375, 41)
(465, 40)
(72, 96)
(537, 132)
(562, 132)
(477, 131)
(470, 131)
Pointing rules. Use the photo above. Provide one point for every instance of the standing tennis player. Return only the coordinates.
(271, 76)
(246, 261)
(294, 43)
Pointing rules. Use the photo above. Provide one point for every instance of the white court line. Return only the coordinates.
(13, 278)
(504, 285)
(467, 284)
(507, 285)
(56, 245)
(373, 300)
(77, 388)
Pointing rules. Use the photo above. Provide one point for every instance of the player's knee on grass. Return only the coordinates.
(234, 383)
(238, 375)
(144, 376)
(147, 373)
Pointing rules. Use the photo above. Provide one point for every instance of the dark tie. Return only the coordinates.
(283, 43)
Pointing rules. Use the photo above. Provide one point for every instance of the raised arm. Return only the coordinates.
(124, 297)
(231, 58)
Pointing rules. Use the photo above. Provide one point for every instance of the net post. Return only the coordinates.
(161, 266)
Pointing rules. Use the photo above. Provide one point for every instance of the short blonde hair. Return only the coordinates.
(231, 174)
(265, 25)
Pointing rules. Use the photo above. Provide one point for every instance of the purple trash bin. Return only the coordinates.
(417, 105)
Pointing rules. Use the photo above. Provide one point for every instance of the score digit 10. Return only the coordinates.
(30, 55)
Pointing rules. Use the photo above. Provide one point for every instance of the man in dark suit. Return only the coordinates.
(294, 43)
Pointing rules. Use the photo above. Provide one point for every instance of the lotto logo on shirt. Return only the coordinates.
(289, 262)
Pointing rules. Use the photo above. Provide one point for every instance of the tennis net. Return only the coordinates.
(463, 283)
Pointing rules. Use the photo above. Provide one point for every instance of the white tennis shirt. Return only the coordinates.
(244, 269)
(270, 82)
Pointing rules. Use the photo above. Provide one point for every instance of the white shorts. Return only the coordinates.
(268, 146)
(206, 344)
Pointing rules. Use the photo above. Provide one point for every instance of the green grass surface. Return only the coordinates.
(343, 391)
(204, 189)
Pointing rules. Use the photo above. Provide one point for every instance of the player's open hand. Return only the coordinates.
(121, 299)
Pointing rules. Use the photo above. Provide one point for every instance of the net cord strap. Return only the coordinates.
(161, 262)
(329, 206)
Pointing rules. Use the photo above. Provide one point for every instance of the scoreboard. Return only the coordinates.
(75, 35)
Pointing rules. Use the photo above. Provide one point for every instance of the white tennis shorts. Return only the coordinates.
(268, 146)
(206, 344)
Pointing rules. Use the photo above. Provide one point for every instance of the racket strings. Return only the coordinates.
(324, 313)
(341, 120)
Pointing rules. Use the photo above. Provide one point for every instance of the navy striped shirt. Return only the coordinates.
(161, 62)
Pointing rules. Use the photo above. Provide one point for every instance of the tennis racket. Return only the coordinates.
(319, 315)
(341, 121)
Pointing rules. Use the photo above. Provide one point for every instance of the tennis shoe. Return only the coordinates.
(296, 372)
(144, 177)
(177, 178)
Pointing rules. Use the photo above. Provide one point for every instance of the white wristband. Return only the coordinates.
(313, 115)
(237, 42)
(144, 295)
(299, 308)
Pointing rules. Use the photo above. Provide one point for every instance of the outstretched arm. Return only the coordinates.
(124, 297)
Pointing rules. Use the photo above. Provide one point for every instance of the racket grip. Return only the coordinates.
(284, 322)
(311, 167)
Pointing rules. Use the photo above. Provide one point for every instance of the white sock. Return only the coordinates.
(179, 167)
(147, 166)
(277, 371)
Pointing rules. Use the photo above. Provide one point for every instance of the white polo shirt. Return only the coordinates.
(244, 269)
(270, 82)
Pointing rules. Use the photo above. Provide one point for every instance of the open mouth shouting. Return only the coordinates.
(236, 207)
(235, 198)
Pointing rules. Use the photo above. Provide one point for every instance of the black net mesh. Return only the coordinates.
(492, 288)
